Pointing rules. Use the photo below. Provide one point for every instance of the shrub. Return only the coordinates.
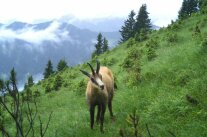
(132, 65)
(131, 42)
(141, 36)
(48, 89)
(133, 121)
(80, 87)
(204, 43)
(108, 62)
(36, 93)
(151, 54)
(152, 43)
(171, 37)
(196, 35)
(133, 55)
(57, 83)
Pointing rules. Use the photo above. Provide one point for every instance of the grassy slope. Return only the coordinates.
(159, 99)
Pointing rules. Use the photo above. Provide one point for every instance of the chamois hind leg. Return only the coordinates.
(92, 108)
(103, 109)
(110, 109)
(98, 114)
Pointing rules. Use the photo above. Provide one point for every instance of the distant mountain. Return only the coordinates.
(28, 47)
(100, 25)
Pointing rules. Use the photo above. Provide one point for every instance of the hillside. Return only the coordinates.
(169, 93)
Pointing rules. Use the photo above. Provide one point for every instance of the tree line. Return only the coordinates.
(136, 26)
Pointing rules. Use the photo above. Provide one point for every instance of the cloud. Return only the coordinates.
(33, 38)
(33, 10)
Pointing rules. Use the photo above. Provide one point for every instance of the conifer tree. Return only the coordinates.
(62, 65)
(105, 45)
(127, 31)
(48, 70)
(30, 81)
(99, 44)
(142, 20)
(188, 7)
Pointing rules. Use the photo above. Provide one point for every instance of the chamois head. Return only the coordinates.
(95, 77)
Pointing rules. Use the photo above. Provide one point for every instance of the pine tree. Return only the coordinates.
(188, 7)
(99, 44)
(203, 6)
(142, 20)
(30, 81)
(127, 31)
(48, 69)
(62, 65)
(105, 45)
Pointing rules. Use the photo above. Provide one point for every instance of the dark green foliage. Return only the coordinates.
(142, 20)
(153, 43)
(132, 56)
(62, 65)
(105, 45)
(101, 46)
(197, 34)
(175, 26)
(132, 130)
(188, 7)
(36, 93)
(131, 42)
(48, 70)
(127, 31)
(48, 89)
(203, 6)
(171, 37)
(27, 96)
(108, 62)
(204, 43)
(141, 36)
(80, 87)
(29, 83)
(191, 100)
(57, 83)
(151, 53)
(132, 65)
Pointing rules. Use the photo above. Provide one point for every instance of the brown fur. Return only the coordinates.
(102, 98)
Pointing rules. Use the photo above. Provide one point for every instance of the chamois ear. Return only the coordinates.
(93, 72)
(97, 67)
(85, 73)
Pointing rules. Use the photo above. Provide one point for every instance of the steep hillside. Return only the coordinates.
(163, 78)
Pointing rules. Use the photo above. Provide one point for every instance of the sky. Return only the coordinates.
(31, 11)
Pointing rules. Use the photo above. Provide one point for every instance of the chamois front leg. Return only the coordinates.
(92, 108)
(103, 109)
(98, 114)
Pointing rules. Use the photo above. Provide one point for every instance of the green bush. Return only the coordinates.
(80, 87)
(57, 83)
(152, 43)
(196, 35)
(171, 37)
(204, 43)
(48, 89)
(131, 42)
(151, 53)
(108, 62)
(36, 93)
(132, 65)
(133, 55)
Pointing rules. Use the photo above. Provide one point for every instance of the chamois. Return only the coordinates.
(99, 92)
